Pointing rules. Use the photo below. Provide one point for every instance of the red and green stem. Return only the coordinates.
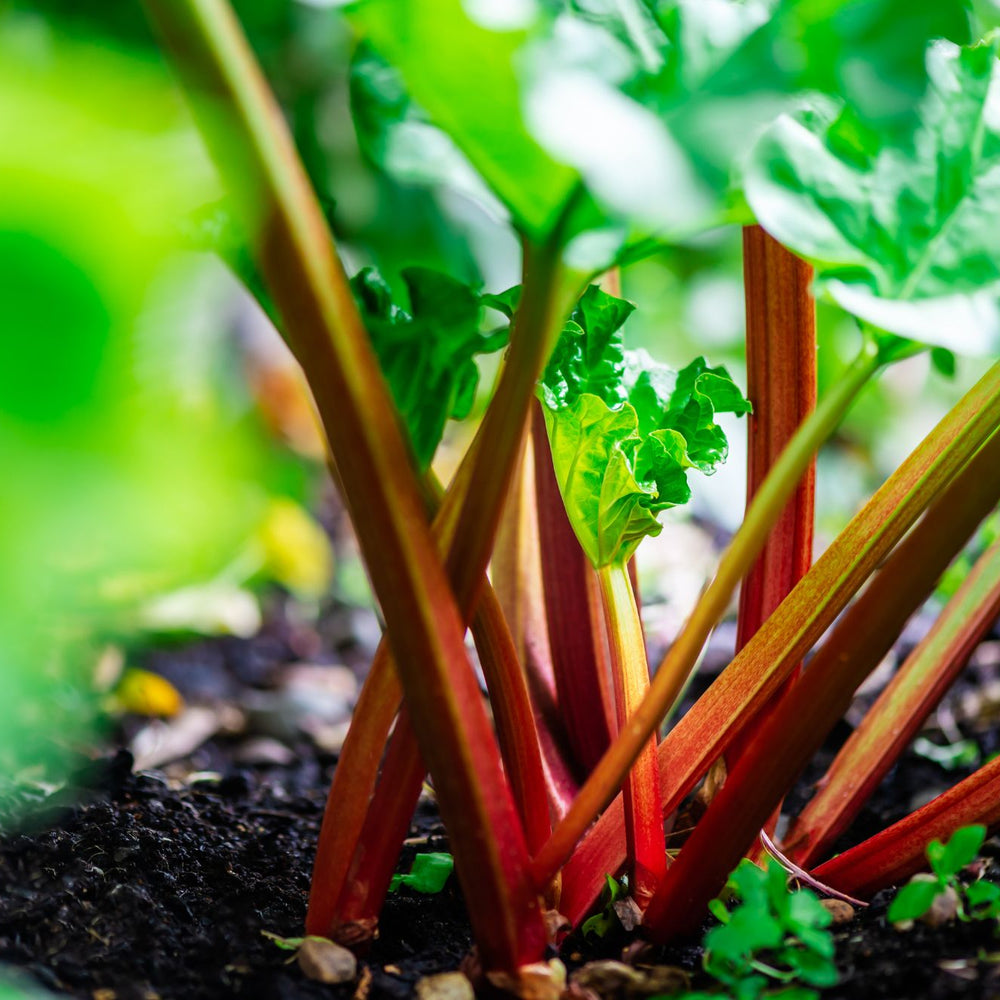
(799, 724)
(673, 672)
(898, 713)
(355, 779)
(296, 257)
(577, 631)
(899, 851)
(644, 842)
(781, 385)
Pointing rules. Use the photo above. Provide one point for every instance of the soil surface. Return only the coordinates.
(125, 885)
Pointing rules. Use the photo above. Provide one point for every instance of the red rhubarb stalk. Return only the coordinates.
(762, 666)
(516, 572)
(798, 725)
(781, 384)
(900, 711)
(296, 256)
(644, 843)
(577, 633)
(354, 919)
(899, 851)
(402, 777)
(534, 330)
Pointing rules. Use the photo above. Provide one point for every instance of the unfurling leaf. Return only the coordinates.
(623, 429)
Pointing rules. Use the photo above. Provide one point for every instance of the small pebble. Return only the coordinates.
(326, 961)
(840, 910)
(445, 986)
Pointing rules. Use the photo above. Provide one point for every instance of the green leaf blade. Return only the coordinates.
(913, 901)
(440, 50)
(900, 232)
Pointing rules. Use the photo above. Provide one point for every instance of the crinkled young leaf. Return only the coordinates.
(685, 401)
(427, 354)
(623, 429)
(591, 357)
(590, 354)
(595, 455)
(902, 235)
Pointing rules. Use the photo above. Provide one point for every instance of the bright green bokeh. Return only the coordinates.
(124, 474)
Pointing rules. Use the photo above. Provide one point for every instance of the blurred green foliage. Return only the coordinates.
(127, 473)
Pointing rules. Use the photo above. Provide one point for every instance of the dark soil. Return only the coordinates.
(124, 885)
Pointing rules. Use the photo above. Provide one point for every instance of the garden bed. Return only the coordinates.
(129, 885)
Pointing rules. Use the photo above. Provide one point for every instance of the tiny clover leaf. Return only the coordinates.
(623, 429)
(900, 231)
(768, 935)
(601, 923)
(980, 900)
(949, 859)
(284, 943)
(428, 873)
(913, 900)
(983, 900)
(428, 355)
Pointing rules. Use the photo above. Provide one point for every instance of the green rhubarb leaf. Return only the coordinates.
(624, 429)
(463, 74)
(428, 354)
(399, 137)
(427, 875)
(902, 234)
(594, 453)
(868, 51)
(657, 112)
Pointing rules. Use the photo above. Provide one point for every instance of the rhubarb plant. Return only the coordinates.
(599, 135)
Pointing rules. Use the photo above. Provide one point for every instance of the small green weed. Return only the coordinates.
(978, 901)
(774, 943)
(427, 874)
(601, 923)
